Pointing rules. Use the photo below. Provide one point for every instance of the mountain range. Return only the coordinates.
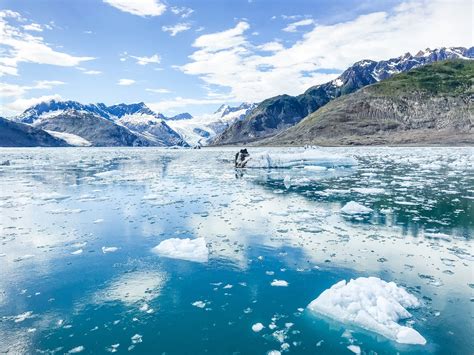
(276, 114)
(60, 123)
(431, 104)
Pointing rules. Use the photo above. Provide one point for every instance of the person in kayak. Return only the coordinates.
(241, 158)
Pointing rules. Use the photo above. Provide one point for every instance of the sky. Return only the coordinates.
(192, 56)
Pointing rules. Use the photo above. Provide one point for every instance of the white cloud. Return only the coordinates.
(21, 46)
(175, 29)
(147, 60)
(159, 91)
(184, 12)
(126, 82)
(14, 90)
(271, 47)
(229, 60)
(33, 27)
(92, 72)
(293, 27)
(21, 105)
(223, 40)
(139, 7)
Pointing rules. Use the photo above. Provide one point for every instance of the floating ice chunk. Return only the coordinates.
(274, 352)
(77, 252)
(24, 257)
(354, 348)
(372, 304)
(185, 249)
(77, 349)
(315, 168)
(106, 250)
(279, 283)
(22, 317)
(298, 159)
(353, 207)
(137, 338)
(97, 221)
(199, 304)
(257, 327)
(368, 190)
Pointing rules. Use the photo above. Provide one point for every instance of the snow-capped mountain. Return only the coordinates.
(278, 113)
(202, 129)
(148, 127)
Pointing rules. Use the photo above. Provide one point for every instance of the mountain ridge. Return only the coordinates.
(278, 113)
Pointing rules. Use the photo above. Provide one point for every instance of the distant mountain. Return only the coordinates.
(144, 126)
(181, 116)
(202, 129)
(278, 113)
(432, 104)
(94, 129)
(14, 134)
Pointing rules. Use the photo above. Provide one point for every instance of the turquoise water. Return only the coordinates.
(259, 225)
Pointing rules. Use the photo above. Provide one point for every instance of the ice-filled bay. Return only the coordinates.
(136, 249)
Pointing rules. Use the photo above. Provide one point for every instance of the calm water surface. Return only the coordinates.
(60, 292)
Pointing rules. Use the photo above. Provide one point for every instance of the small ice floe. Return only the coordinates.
(368, 190)
(279, 283)
(22, 317)
(257, 327)
(438, 236)
(372, 304)
(298, 159)
(315, 168)
(355, 208)
(77, 252)
(228, 286)
(199, 304)
(24, 257)
(97, 221)
(77, 349)
(113, 348)
(274, 352)
(355, 349)
(106, 250)
(137, 338)
(185, 249)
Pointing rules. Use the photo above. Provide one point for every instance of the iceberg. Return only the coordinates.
(185, 249)
(353, 207)
(299, 159)
(372, 304)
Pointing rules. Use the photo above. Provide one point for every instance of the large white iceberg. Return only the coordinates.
(372, 304)
(298, 159)
(185, 249)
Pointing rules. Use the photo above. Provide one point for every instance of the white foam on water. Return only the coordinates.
(184, 249)
(372, 304)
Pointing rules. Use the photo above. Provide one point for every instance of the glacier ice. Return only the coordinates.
(372, 304)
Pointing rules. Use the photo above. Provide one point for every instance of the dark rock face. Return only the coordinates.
(278, 113)
(99, 131)
(429, 105)
(14, 134)
(181, 116)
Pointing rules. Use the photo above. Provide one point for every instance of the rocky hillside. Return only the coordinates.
(14, 134)
(278, 113)
(429, 105)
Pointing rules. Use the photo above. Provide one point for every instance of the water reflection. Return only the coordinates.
(260, 225)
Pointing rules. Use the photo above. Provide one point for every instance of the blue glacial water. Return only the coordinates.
(60, 292)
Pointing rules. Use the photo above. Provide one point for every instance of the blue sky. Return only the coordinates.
(193, 56)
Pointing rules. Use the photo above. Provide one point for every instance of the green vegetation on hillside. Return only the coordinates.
(450, 77)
